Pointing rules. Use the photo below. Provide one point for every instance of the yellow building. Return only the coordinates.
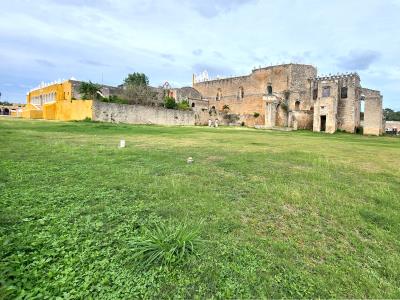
(56, 101)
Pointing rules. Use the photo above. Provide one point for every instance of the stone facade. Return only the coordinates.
(292, 95)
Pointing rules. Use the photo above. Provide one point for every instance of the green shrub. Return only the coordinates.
(169, 102)
(115, 99)
(256, 115)
(183, 105)
(89, 90)
(166, 244)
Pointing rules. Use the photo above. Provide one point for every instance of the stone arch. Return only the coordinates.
(6, 111)
(297, 105)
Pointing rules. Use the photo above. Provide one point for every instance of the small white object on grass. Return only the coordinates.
(122, 144)
(189, 160)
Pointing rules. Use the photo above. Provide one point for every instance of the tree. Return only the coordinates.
(89, 90)
(391, 115)
(139, 94)
(137, 79)
(169, 102)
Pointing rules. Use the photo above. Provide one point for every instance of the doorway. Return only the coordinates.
(323, 124)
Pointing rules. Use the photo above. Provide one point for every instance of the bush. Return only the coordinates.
(231, 118)
(169, 102)
(256, 115)
(115, 99)
(166, 244)
(183, 105)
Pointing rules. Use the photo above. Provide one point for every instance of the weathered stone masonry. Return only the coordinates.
(292, 95)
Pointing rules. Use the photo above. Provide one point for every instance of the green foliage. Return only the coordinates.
(169, 102)
(256, 115)
(89, 90)
(5, 103)
(166, 243)
(391, 115)
(287, 214)
(183, 105)
(137, 79)
(114, 99)
(284, 106)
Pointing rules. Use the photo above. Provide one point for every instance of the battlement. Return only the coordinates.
(260, 68)
(331, 77)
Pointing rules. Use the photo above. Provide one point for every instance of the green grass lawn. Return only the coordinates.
(280, 214)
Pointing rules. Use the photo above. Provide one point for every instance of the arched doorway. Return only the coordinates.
(297, 105)
(6, 111)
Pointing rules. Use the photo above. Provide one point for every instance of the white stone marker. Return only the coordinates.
(122, 144)
(190, 160)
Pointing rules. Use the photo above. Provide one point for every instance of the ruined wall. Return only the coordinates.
(139, 114)
(373, 114)
(299, 86)
(302, 119)
(244, 94)
(326, 105)
(349, 108)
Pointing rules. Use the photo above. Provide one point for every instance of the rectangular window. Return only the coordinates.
(315, 94)
(326, 91)
(343, 92)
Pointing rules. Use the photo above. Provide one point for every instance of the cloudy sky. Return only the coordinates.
(104, 40)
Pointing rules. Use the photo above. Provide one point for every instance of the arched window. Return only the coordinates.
(6, 111)
(219, 95)
(269, 89)
(297, 105)
(193, 104)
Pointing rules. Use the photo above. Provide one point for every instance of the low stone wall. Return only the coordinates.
(301, 119)
(139, 114)
(389, 125)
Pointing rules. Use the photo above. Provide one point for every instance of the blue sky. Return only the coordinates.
(104, 40)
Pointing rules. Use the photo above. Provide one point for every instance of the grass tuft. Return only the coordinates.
(166, 243)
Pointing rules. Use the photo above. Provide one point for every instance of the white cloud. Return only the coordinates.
(168, 40)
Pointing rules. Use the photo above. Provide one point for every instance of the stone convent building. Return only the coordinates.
(293, 96)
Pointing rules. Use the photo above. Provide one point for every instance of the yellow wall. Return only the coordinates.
(74, 110)
(63, 91)
(49, 111)
(63, 108)
(32, 114)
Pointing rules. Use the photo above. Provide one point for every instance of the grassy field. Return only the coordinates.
(280, 214)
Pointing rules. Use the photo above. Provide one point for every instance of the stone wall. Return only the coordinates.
(139, 114)
(373, 114)
(392, 124)
(302, 119)
(244, 94)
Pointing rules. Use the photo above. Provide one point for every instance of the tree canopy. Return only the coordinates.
(89, 90)
(137, 79)
(391, 115)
